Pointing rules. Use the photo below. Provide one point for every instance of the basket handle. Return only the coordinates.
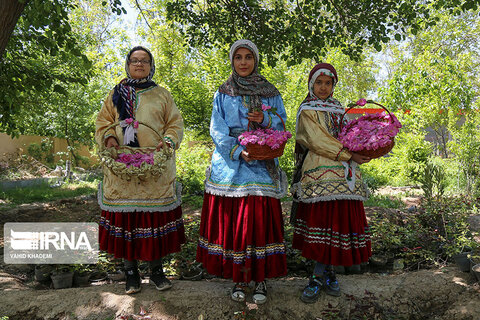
(354, 105)
(283, 123)
(113, 125)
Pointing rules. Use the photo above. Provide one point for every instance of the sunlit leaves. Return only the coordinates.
(307, 27)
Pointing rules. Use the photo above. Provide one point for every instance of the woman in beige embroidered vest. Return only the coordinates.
(330, 223)
(140, 220)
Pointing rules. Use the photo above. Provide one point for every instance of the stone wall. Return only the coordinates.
(20, 145)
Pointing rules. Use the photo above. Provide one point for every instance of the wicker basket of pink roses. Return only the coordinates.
(371, 135)
(134, 162)
(265, 144)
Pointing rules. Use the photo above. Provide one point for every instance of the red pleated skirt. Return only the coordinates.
(333, 232)
(143, 236)
(242, 238)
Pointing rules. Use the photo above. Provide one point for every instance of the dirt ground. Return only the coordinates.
(445, 293)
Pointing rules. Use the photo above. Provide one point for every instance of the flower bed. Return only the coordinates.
(371, 135)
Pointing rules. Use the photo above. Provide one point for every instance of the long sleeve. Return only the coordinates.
(106, 117)
(312, 133)
(229, 175)
(157, 115)
(173, 120)
(275, 121)
(227, 146)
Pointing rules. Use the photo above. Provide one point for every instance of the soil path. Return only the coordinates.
(426, 294)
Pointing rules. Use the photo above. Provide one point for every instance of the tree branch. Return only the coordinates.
(145, 18)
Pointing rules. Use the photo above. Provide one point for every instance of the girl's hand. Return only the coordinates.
(111, 142)
(358, 158)
(245, 157)
(160, 145)
(255, 116)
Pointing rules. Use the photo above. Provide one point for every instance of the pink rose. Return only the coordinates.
(361, 102)
(265, 108)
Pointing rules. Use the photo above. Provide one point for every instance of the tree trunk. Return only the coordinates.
(10, 11)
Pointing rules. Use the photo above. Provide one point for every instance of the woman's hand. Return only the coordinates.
(358, 158)
(255, 116)
(245, 157)
(111, 142)
(160, 145)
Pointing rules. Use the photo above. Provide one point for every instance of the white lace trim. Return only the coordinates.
(237, 192)
(307, 106)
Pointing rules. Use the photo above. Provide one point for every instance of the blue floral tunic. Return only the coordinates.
(230, 175)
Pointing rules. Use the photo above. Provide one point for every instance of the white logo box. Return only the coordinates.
(50, 243)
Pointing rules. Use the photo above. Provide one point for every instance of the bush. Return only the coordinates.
(287, 160)
(42, 152)
(433, 179)
(373, 176)
(192, 161)
(430, 236)
(465, 144)
(403, 166)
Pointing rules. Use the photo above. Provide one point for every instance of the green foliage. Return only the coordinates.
(465, 145)
(192, 76)
(433, 180)
(430, 236)
(183, 261)
(42, 152)
(403, 166)
(194, 201)
(305, 29)
(373, 178)
(39, 59)
(45, 192)
(193, 158)
(433, 82)
(48, 93)
(383, 201)
(415, 157)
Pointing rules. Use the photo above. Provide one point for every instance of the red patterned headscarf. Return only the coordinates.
(311, 101)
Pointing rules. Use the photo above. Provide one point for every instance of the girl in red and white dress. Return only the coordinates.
(328, 214)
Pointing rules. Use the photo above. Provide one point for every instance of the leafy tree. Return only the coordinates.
(433, 85)
(46, 20)
(306, 29)
(43, 55)
(433, 77)
(38, 18)
(69, 110)
(191, 75)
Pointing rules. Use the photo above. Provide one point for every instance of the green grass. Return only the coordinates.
(44, 193)
(383, 201)
(194, 201)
